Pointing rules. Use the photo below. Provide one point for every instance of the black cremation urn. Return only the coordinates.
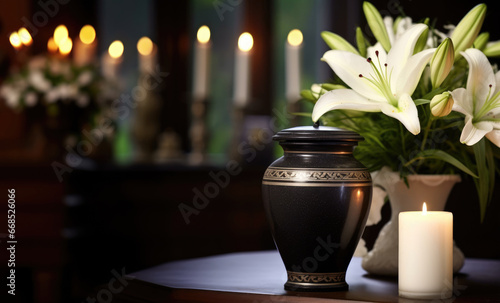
(317, 197)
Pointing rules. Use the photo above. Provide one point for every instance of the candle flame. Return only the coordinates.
(245, 42)
(60, 33)
(25, 36)
(145, 46)
(51, 45)
(15, 40)
(295, 37)
(115, 49)
(65, 46)
(203, 34)
(87, 34)
(424, 209)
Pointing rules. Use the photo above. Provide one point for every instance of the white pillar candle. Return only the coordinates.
(201, 64)
(425, 254)
(293, 47)
(109, 66)
(242, 70)
(147, 63)
(85, 46)
(111, 61)
(147, 55)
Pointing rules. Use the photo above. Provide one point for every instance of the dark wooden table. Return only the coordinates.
(259, 277)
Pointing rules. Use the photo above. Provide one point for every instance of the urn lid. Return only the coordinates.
(320, 133)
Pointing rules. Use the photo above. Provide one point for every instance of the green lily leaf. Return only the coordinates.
(443, 156)
(490, 159)
(421, 101)
(302, 114)
(482, 184)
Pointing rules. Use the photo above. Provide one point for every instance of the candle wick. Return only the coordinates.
(316, 124)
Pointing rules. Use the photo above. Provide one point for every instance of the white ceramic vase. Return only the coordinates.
(432, 189)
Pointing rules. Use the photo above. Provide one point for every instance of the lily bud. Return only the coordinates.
(396, 23)
(377, 25)
(467, 30)
(308, 95)
(361, 42)
(442, 62)
(317, 90)
(481, 41)
(492, 49)
(441, 104)
(422, 40)
(331, 86)
(334, 41)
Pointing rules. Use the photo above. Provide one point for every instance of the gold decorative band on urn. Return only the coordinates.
(302, 278)
(281, 174)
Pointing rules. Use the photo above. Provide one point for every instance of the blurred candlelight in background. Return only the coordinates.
(201, 64)
(60, 33)
(19, 39)
(65, 46)
(293, 48)
(147, 55)
(85, 46)
(87, 34)
(112, 59)
(25, 36)
(15, 40)
(242, 70)
(116, 49)
(52, 46)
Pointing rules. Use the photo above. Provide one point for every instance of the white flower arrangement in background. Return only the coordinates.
(46, 80)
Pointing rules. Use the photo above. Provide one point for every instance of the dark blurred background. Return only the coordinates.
(113, 210)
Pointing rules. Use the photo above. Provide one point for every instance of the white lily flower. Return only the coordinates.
(384, 83)
(402, 26)
(389, 22)
(480, 101)
(395, 31)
